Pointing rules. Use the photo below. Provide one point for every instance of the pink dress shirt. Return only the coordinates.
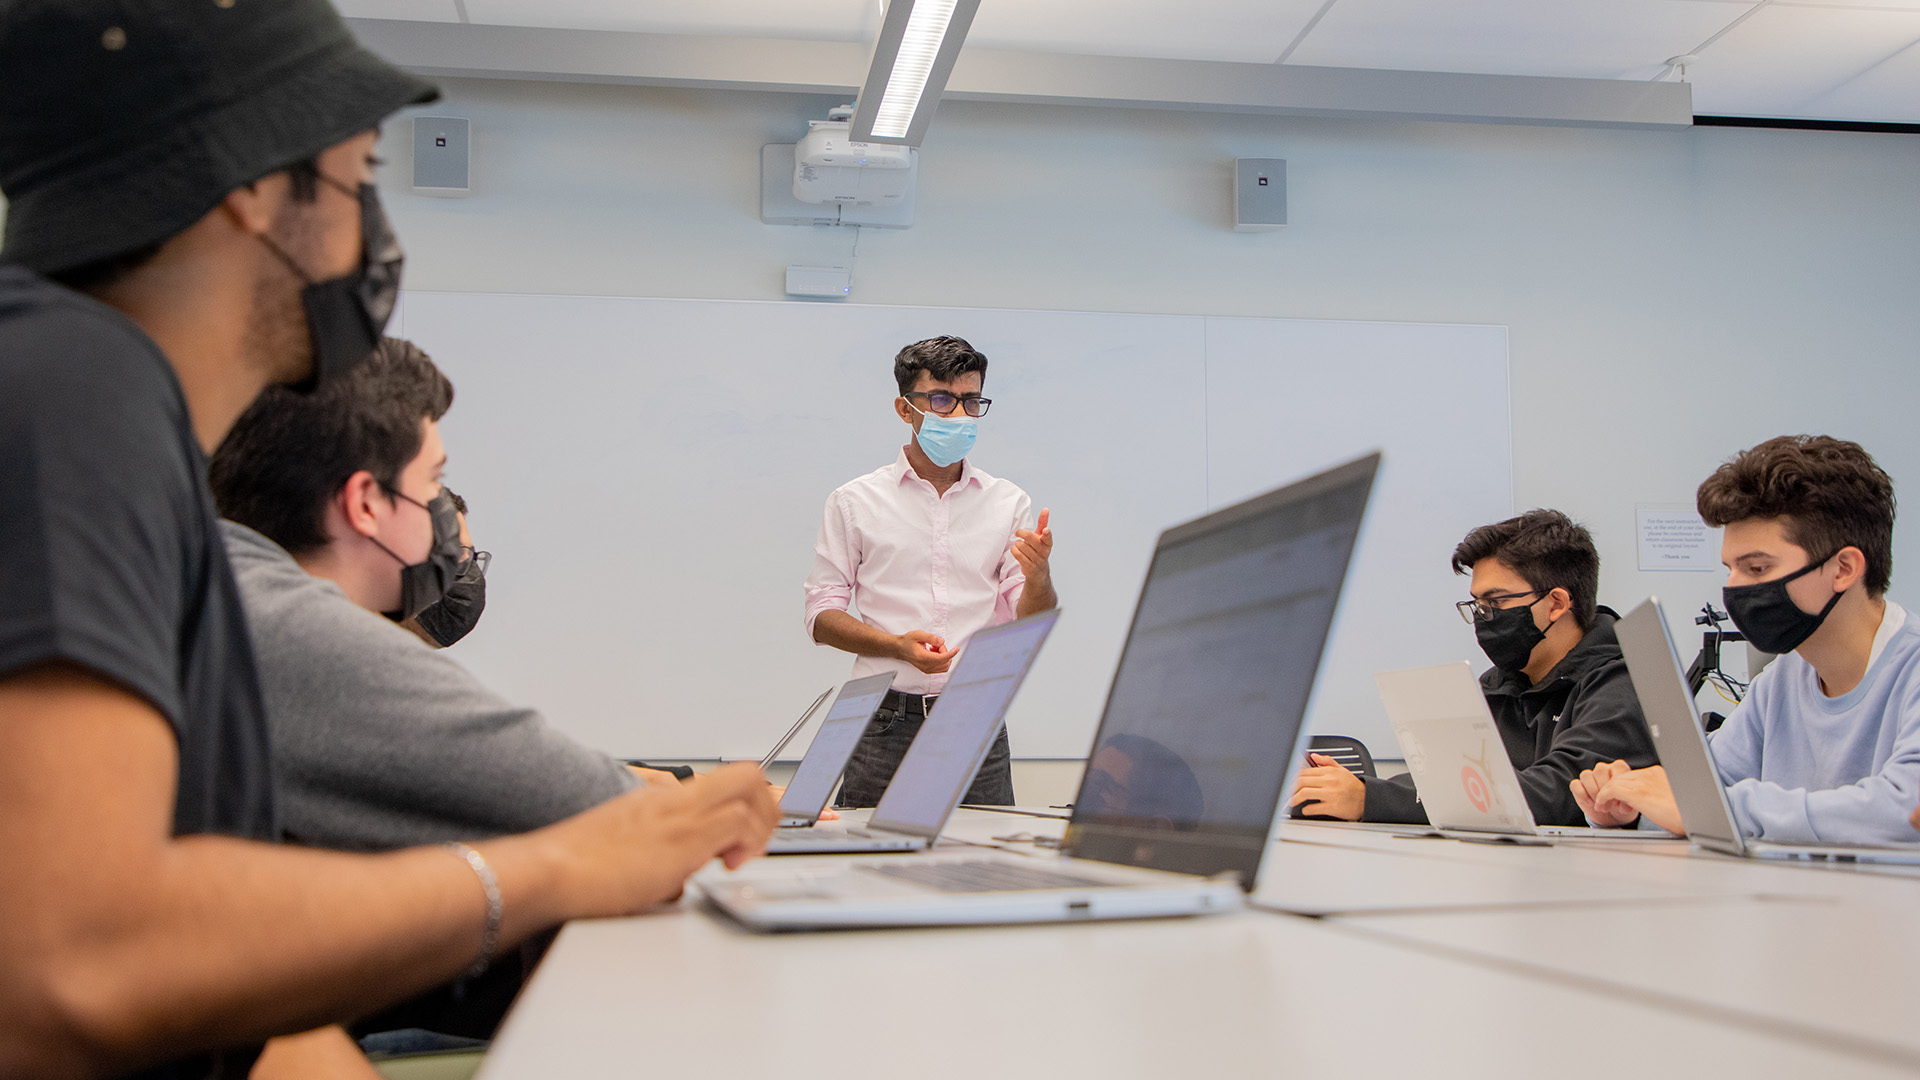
(915, 560)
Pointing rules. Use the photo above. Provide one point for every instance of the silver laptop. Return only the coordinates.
(1466, 782)
(826, 757)
(1201, 725)
(1661, 682)
(940, 765)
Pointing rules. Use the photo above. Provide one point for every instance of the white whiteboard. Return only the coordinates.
(650, 474)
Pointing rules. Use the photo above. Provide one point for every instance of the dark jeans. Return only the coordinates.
(466, 1008)
(885, 742)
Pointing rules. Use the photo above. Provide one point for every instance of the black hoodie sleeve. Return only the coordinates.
(1601, 721)
(1393, 800)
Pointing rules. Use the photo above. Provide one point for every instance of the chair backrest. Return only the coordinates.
(1346, 750)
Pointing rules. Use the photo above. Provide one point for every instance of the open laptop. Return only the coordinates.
(1201, 725)
(940, 765)
(1660, 680)
(1467, 784)
(826, 757)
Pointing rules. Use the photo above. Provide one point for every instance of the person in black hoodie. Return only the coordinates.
(1558, 688)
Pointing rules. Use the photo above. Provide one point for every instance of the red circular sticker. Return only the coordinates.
(1476, 786)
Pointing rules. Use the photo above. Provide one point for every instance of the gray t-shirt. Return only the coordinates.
(380, 741)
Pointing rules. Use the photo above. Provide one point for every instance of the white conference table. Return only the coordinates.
(1699, 966)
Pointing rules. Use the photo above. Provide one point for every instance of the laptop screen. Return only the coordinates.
(1653, 665)
(827, 756)
(1206, 706)
(952, 744)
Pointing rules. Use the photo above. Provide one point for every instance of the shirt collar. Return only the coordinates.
(904, 469)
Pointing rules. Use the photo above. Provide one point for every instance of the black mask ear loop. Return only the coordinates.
(281, 254)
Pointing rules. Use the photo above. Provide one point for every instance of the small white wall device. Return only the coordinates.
(830, 282)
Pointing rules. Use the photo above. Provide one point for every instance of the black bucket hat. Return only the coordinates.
(123, 122)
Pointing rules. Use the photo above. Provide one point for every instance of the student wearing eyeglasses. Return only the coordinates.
(1558, 687)
(930, 549)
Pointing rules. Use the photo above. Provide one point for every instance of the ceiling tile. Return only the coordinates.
(1888, 92)
(1782, 60)
(405, 10)
(811, 20)
(1248, 31)
(1599, 39)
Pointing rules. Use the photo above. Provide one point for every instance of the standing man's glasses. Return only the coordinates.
(1482, 609)
(940, 403)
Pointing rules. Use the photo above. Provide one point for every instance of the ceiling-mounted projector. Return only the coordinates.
(828, 167)
(827, 144)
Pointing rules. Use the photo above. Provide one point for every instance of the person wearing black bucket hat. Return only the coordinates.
(191, 218)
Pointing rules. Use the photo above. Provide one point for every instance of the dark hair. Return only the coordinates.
(100, 273)
(1830, 491)
(944, 358)
(1547, 548)
(290, 453)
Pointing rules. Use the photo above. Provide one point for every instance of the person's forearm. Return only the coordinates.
(1035, 597)
(130, 947)
(1393, 799)
(208, 957)
(848, 634)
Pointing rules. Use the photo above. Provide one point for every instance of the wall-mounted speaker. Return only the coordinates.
(1259, 194)
(441, 158)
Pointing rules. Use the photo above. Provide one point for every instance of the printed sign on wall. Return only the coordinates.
(1674, 538)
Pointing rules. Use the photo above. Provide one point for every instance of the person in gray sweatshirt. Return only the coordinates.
(339, 529)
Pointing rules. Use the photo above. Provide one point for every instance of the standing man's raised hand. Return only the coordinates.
(1032, 548)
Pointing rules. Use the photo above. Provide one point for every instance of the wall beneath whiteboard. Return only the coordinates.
(650, 475)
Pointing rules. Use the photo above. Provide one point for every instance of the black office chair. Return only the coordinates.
(1346, 750)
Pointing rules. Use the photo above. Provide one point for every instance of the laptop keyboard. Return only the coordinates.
(985, 875)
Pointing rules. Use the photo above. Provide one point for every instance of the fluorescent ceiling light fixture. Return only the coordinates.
(919, 41)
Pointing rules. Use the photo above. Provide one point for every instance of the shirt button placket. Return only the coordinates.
(940, 562)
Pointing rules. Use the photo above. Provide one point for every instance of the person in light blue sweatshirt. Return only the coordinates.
(1826, 746)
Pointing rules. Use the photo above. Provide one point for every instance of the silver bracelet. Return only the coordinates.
(496, 908)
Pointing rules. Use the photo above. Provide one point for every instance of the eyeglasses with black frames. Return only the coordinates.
(941, 403)
(1481, 608)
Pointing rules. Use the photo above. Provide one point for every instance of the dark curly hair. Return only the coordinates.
(1830, 491)
(1547, 548)
(944, 358)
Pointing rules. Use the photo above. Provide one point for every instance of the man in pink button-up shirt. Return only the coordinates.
(932, 550)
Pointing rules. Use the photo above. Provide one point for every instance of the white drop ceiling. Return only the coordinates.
(1845, 60)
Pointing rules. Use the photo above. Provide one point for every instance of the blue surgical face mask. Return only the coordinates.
(946, 441)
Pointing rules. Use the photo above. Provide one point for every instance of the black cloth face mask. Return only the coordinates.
(347, 315)
(1508, 636)
(1768, 618)
(455, 614)
(423, 583)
